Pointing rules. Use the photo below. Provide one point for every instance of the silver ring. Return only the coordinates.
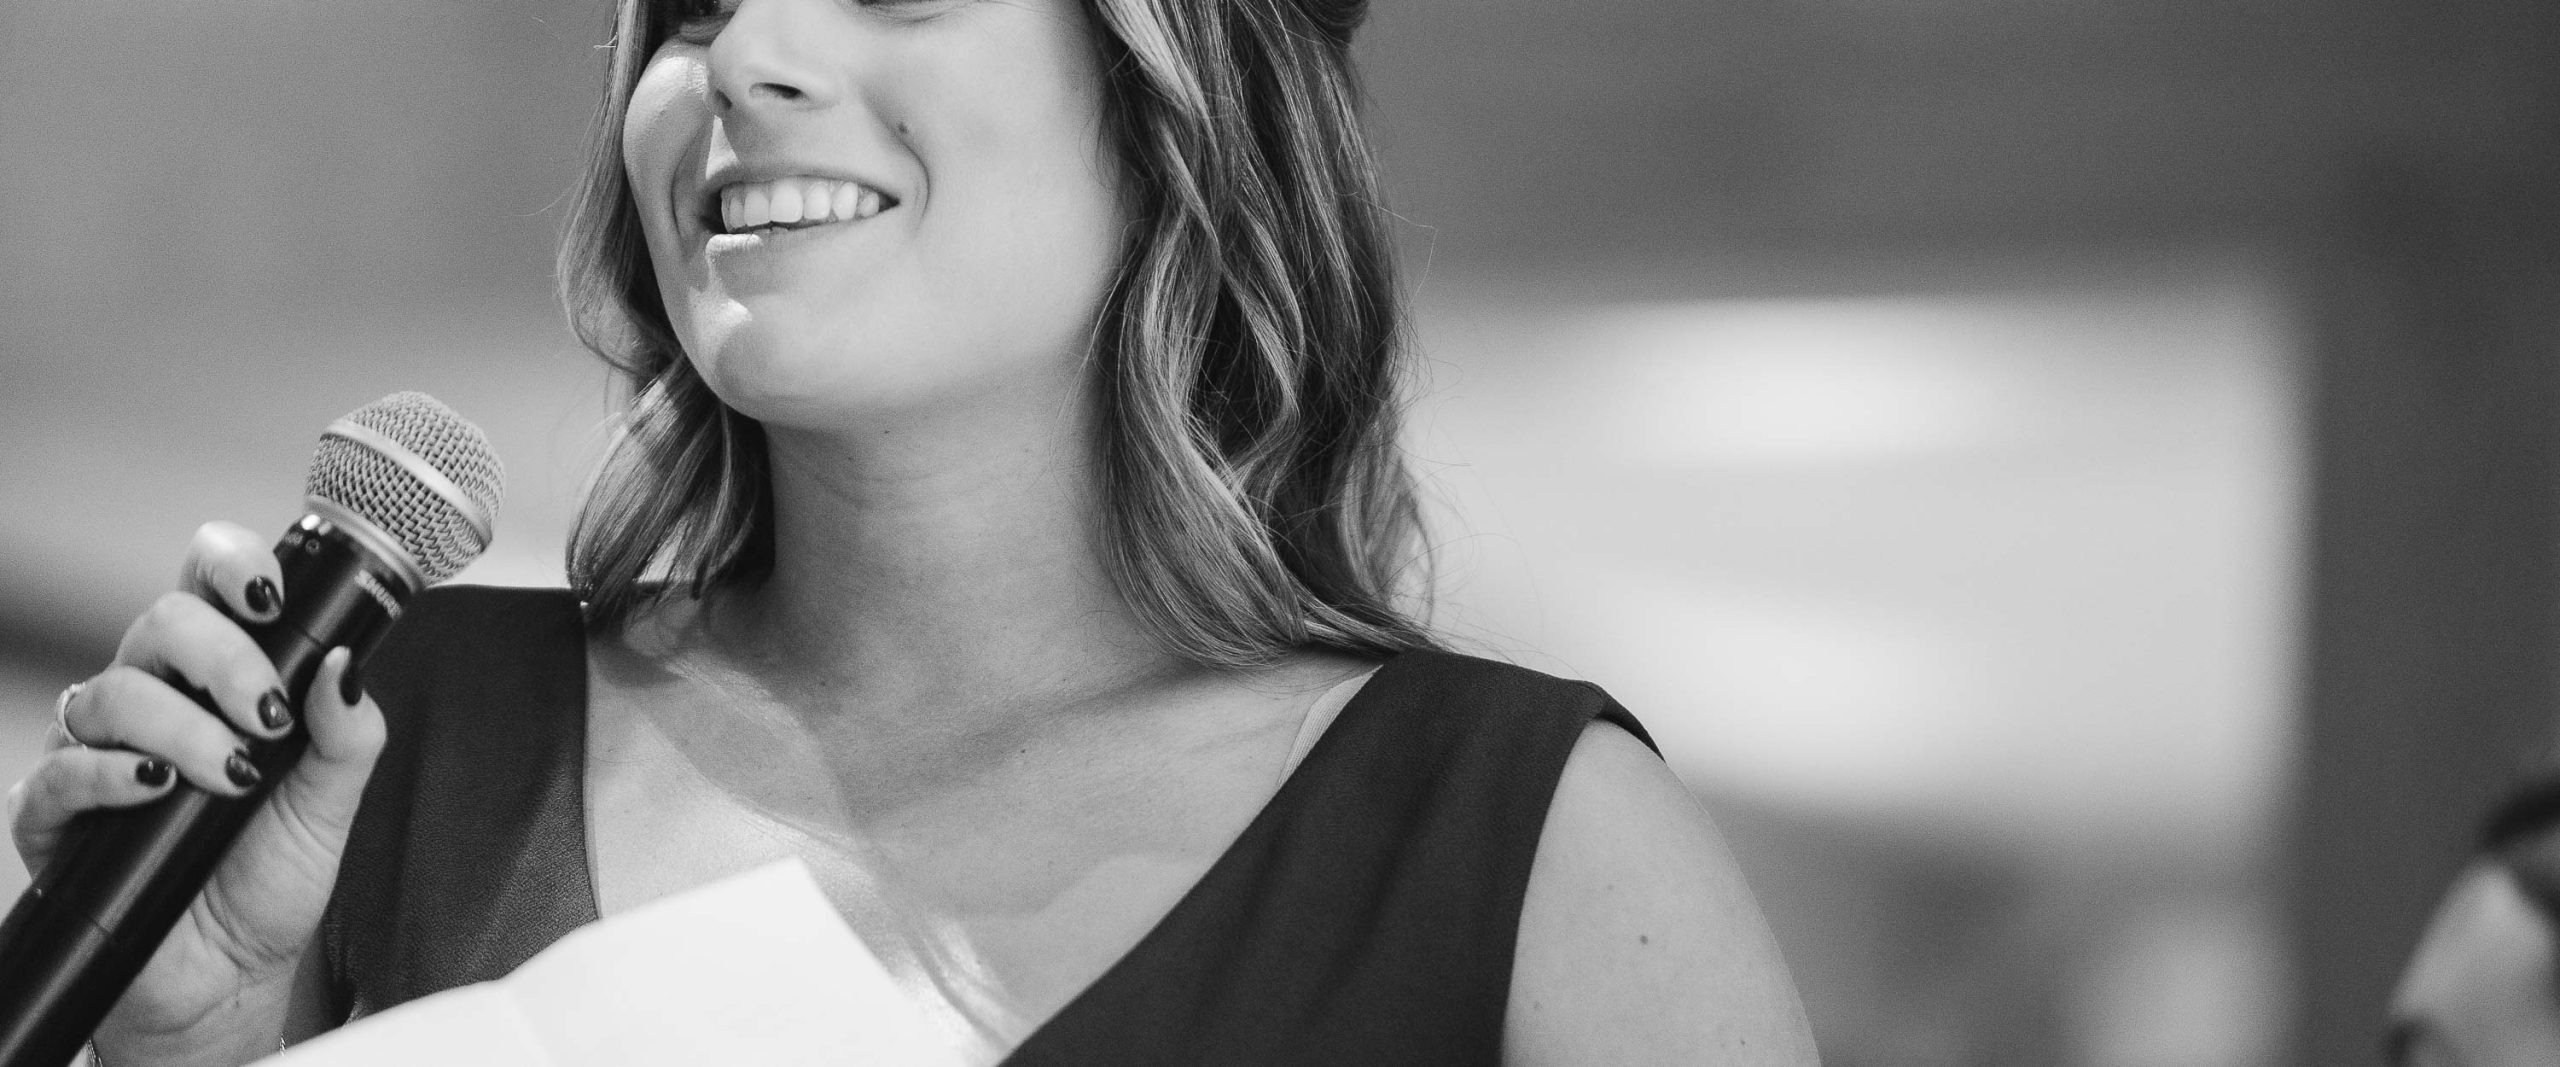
(62, 712)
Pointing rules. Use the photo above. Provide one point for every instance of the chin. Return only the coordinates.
(829, 384)
(784, 384)
(835, 365)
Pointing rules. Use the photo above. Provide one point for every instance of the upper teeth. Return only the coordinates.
(785, 201)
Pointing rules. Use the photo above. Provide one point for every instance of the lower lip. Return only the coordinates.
(739, 242)
(750, 262)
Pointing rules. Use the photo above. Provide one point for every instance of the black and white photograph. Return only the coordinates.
(955, 533)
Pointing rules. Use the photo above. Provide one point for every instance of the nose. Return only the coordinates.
(765, 58)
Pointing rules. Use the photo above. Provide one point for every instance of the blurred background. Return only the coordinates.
(2074, 486)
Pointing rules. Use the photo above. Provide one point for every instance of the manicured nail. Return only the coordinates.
(350, 687)
(273, 712)
(241, 772)
(153, 772)
(262, 595)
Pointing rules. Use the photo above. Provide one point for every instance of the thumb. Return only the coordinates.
(346, 726)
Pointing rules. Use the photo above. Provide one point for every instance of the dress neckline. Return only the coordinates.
(1256, 837)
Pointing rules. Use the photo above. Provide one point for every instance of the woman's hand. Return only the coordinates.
(217, 988)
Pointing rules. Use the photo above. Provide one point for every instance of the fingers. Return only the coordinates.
(185, 639)
(129, 708)
(314, 807)
(346, 728)
(75, 780)
(230, 565)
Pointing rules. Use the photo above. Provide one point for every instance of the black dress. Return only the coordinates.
(1367, 914)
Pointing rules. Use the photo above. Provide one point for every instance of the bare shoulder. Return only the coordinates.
(1639, 942)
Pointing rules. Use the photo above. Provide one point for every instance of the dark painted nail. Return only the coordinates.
(153, 772)
(273, 712)
(262, 595)
(350, 687)
(241, 772)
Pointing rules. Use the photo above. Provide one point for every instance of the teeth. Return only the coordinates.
(793, 202)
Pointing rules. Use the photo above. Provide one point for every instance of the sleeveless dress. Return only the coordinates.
(1367, 914)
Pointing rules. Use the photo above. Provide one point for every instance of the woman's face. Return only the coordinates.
(859, 206)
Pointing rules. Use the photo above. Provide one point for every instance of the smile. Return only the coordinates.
(796, 203)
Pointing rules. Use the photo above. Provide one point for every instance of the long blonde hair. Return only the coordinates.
(1250, 357)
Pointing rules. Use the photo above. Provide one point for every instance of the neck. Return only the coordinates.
(950, 570)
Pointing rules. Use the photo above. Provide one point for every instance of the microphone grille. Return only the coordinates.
(420, 473)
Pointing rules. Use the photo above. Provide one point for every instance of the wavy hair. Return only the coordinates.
(1249, 358)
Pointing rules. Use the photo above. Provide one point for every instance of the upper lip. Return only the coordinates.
(706, 199)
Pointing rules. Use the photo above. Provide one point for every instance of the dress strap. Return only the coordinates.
(468, 854)
(1320, 716)
(1368, 913)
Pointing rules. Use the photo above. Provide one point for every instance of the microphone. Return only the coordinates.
(402, 493)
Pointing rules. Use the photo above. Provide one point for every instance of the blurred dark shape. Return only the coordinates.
(2481, 989)
(2435, 617)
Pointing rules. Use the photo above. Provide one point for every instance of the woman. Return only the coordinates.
(1007, 509)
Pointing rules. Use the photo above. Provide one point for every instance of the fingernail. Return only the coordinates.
(241, 772)
(350, 686)
(273, 712)
(262, 595)
(153, 772)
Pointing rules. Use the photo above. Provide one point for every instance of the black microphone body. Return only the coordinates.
(123, 877)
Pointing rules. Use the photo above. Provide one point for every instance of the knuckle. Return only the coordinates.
(88, 780)
(44, 789)
(171, 611)
(208, 738)
(248, 674)
(134, 709)
(102, 701)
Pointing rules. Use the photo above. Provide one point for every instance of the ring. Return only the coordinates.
(62, 713)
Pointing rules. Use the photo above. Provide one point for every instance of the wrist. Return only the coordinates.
(89, 1056)
(247, 1028)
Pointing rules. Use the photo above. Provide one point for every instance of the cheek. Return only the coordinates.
(1036, 215)
(668, 106)
(667, 115)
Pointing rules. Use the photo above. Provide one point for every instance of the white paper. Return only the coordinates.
(757, 968)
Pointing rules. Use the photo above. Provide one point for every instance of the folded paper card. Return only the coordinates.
(757, 968)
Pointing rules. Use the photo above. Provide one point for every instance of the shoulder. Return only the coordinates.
(1639, 941)
(1473, 691)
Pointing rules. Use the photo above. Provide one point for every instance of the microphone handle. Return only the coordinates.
(123, 877)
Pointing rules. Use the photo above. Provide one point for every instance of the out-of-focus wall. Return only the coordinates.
(226, 225)
(1967, 604)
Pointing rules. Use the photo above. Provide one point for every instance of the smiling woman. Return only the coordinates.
(1007, 525)
(1262, 386)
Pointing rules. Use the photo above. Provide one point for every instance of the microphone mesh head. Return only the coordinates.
(443, 527)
